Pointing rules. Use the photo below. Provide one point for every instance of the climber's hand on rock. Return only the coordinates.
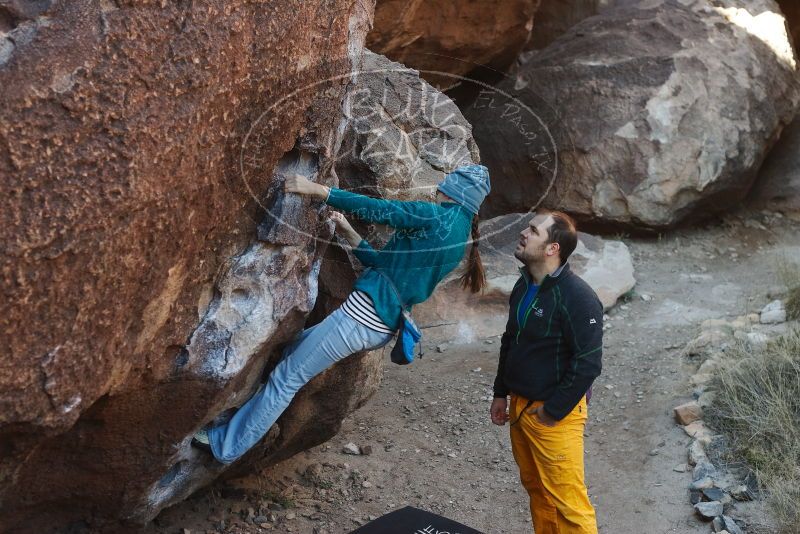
(342, 224)
(345, 229)
(297, 183)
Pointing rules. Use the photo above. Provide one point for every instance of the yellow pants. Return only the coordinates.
(550, 461)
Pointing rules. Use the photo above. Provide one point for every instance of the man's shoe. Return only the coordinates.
(200, 441)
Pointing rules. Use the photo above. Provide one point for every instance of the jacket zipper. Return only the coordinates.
(533, 304)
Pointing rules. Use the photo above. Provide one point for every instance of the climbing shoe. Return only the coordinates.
(200, 441)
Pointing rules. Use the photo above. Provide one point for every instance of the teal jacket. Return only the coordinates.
(428, 242)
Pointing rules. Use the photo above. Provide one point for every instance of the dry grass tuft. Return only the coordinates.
(757, 407)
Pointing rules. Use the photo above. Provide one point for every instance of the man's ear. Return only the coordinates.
(553, 248)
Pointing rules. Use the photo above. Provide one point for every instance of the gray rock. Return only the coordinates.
(715, 494)
(637, 89)
(724, 524)
(709, 510)
(605, 265)
(351, 448)
(773, 313)
(697, 453)
(702, 483)
(704, 469)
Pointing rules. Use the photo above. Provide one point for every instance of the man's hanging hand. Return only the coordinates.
(498, 411)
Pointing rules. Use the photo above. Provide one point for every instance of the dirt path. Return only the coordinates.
(434, 447)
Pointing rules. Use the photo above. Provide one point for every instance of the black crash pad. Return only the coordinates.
(410, 520)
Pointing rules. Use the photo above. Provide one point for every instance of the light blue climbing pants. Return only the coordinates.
(313, 351)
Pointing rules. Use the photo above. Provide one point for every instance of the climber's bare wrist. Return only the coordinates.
(321, 191)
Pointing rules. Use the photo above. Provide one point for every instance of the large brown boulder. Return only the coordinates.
(446, 39)
(651, 113)
(140, 147)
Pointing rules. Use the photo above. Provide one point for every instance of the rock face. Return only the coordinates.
(555, 17)
(653, 113)
(455, 314)
(452, 37)
(778, 185)
(140, 148)
(402, 134)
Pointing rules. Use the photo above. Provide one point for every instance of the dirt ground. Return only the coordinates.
(433, 446)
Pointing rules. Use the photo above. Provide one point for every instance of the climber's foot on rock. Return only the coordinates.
(200, 441)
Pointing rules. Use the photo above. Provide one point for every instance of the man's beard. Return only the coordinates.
(529, 258)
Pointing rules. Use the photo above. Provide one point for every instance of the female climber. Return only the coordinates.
(428, 243)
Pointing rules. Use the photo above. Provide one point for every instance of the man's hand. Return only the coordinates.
(297, 183)
(498, 411)
(544, 417)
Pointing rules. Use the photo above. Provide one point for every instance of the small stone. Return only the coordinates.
(730, 525)
(441, 348)
(708, 510)
(773, 313)
(697, 453)
(654, 452)
(699, 431)
(489, 341)
(757, 339)
(704, 469)
(680, 468)
(695, 496)
(688, 413)
(291, 515)
(714, 494)
(260, 519)
(701, 483)
(351, 448)
(366, 450)
(476, 370)
(275, 507)
(366, 484)
(645, 297)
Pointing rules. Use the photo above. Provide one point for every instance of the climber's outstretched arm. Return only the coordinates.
(361, 249)
(395, 213)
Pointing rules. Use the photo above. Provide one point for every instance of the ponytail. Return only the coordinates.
(474, 277)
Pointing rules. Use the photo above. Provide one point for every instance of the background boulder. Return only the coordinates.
(655, 112)
(451, 36)
(453, 314)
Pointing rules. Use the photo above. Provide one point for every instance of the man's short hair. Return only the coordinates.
(563, 231)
